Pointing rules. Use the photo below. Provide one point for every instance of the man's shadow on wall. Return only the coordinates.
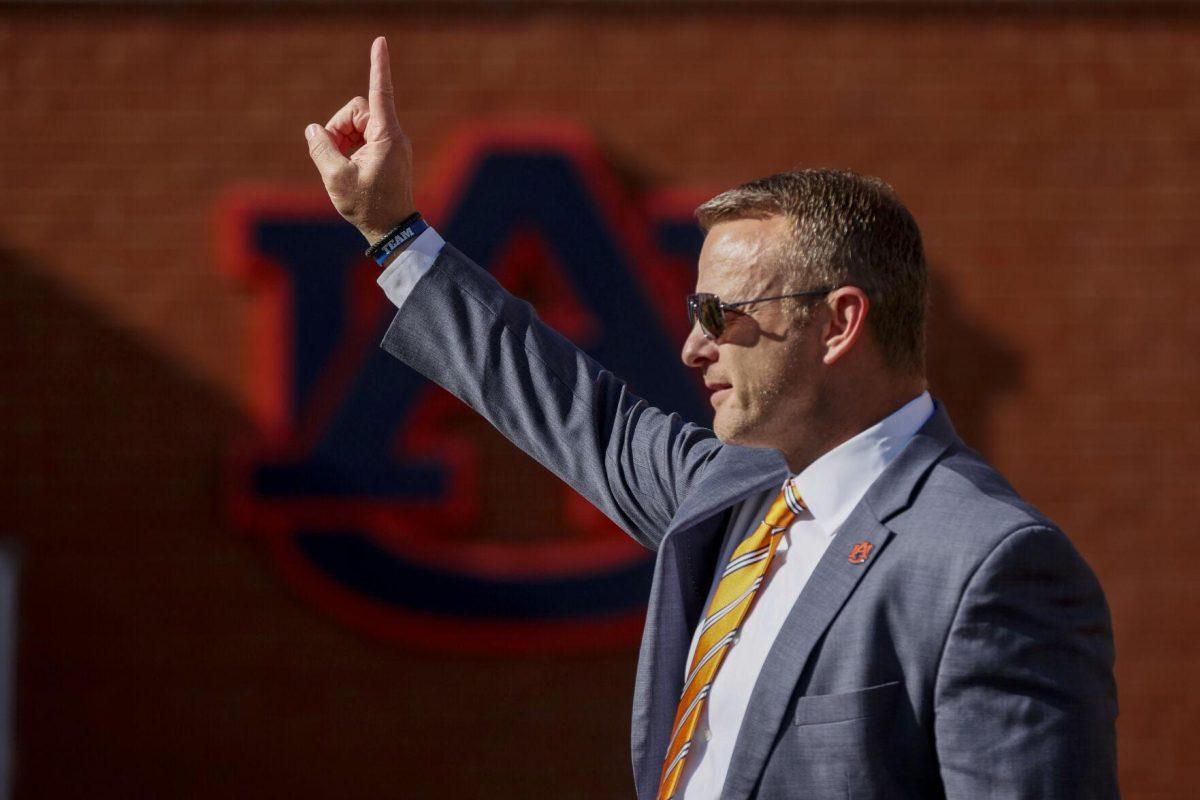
(141, 611)
(971, 370)
(130, 579)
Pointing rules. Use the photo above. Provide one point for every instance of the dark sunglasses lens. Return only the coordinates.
(712, 318)
(707, 309)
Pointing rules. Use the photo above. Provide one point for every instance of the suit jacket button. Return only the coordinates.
(707, 733)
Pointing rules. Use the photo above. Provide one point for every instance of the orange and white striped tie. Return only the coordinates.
(735, 594)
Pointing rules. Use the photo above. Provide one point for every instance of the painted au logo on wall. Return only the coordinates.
(381, 498)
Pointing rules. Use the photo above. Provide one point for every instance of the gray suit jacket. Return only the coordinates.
(970, 655)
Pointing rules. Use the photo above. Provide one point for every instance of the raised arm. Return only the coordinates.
(459, 328)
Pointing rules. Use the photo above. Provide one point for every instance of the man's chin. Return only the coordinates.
(735, 431)
(731, 430)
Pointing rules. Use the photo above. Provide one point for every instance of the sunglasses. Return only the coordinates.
(709, 310)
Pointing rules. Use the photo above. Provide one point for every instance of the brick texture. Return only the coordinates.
(1051, 159)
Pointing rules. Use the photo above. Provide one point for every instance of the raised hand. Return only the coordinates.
(372, 186)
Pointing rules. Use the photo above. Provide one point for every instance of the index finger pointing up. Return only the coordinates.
(380, 100)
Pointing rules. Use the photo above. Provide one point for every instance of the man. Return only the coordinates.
(847, 602)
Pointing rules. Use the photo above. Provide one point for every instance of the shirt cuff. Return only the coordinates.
(401, 276)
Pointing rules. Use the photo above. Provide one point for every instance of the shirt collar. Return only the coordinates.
(834, 484)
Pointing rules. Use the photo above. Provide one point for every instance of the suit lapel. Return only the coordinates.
(855, 547)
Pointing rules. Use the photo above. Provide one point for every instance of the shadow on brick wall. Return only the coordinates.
(158, 654)
(970, 369)
(110, 459)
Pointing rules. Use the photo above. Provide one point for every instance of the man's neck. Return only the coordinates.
(838, 420)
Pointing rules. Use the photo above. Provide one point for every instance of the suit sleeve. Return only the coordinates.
(1025, 702)
(462, 330)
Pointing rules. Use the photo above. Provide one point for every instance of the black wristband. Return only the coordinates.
(397, 236)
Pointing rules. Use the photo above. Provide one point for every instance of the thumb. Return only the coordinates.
(324, 152)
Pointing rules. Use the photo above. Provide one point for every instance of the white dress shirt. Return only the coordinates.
(831, 487)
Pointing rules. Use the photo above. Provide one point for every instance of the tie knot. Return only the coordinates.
(786, 506)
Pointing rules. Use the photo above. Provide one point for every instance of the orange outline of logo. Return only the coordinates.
(860, 552)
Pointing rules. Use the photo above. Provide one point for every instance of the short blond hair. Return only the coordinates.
(846, 229)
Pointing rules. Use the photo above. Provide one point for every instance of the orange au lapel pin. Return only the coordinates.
(860, 552)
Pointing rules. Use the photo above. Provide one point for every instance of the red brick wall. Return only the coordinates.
(1051, 159)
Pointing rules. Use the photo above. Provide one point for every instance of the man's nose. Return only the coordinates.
(698, 349)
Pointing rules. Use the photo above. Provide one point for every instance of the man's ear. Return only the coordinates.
(848, 307)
